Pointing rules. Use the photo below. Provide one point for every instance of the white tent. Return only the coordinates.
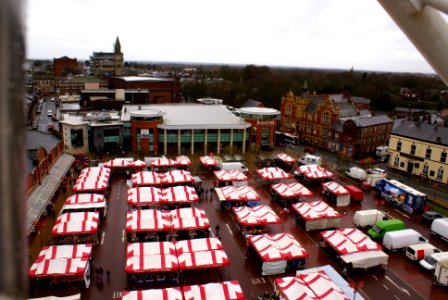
(317, 215)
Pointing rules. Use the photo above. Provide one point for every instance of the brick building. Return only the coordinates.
(64, 66)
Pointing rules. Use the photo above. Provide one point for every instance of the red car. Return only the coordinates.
(309, 150)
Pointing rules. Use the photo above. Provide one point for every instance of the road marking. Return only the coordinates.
(404, 215)
(396, 297)
(116, 295)
(385, 287)
(398, 287)
(376, 278)
(102, 237)
(123, 236)
(228, 228)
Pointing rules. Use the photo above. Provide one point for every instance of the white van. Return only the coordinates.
(429, 263)
(310, 159)
(368, 217)
(356, 173)
(234, 166)
(439, 227)
(421, 251)
(400, 239)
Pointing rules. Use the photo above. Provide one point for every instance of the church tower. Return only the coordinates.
(118, 59)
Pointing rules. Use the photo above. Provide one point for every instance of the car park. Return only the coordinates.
(431, 215)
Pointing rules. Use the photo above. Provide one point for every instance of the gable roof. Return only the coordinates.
(374, 120)
(421, 131)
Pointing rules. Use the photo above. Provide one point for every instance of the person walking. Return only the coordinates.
(217, 228)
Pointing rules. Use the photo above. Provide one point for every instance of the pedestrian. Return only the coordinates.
(108, 275)
(266, 295)
(217, 228)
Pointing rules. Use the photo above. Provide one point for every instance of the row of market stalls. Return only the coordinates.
(153, 262)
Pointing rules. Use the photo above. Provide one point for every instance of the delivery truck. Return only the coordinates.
(441, 273)
(356, 173)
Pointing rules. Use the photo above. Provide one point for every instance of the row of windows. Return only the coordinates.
(428, 151)
(258, 117)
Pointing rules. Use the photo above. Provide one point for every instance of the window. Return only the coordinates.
(77, 138)
(413, 147)
(428, 152)
(425, 169)
(326, 117)
(440, 174)
(324, 132)
(288, 110)
(443, 157)
(336, 135)
(399, 146)
(396, 161)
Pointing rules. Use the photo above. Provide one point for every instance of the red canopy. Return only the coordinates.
(145, 178)
(349, 240)
(208, 161)
(242, 193)
(315, 172)
(273, 247)
(335, 188)
(258, 215)
(119, 163)
(153, 195)
(164, 162)
(285, 158)
(315, 210)
(183, 161)
(230, 175)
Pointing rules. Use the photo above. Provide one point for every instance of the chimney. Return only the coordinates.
(439, 139)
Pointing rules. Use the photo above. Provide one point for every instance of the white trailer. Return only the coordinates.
(441, 273)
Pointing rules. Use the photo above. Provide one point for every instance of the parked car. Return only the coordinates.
(430, 215)
(309, 150)
(50, 126)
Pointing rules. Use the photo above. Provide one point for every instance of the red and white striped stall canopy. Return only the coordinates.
(75, 228)
(150, 220)
(180, 194)
(273, 173)
(151, 263)
(227, 290)
(145, 195)
(257, 215)
(94, 171)
(315, 172)
(208, 161)
(202, 259)
(290, 190)
(119, 163)
(183, 161)
(159, 294)
(90, 186)
(230, 175)
(315, 210)
(76, 223)
(335, 188)
(65, 251)
(314, 285)
(71, 297)
(163, 162)
(78, 216)
(149, 248)
(285, 158)
(195, 245)
(138, 164)
(242, 193)
(84, 201)
(153, 178)
(273, 247)
(59, 267)
(349, 240)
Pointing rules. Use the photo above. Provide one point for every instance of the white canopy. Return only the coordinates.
(315, 172)
(75, 223)
(120, 163)
(285, 158)
(208, 161)
(274, 247)
(228, 290)
(349, 240)
(84, 201)
(315, 210)
(159, 294)
(258, 215)
(65, 251)
(289, 190)
(153, 195)
(230, 175)
(233, 193)
(183, 161)
(60, 266)
(153, 178)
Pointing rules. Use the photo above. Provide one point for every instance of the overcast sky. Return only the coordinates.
(338, 34)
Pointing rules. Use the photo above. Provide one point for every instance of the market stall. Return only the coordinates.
(289, 193)
(93, 179)
(181, 223)
(227, 290)
(336, 193)
(170, 178)
(273, 174)
(313, 174)
(230, 177)
(163, 164)
(277, 251)
(354, 248)
(183, 162)
(253, 220)
(316, 215)
(172, 196)
(161, 261)
(208, 162)
(85, 202)
(63, 263)
(231, 196)
(285, 161)
(75, 227)
(314, 285)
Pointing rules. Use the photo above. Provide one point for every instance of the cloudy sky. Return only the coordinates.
(338, 34)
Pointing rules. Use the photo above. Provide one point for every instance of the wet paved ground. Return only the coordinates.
(403, 279)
